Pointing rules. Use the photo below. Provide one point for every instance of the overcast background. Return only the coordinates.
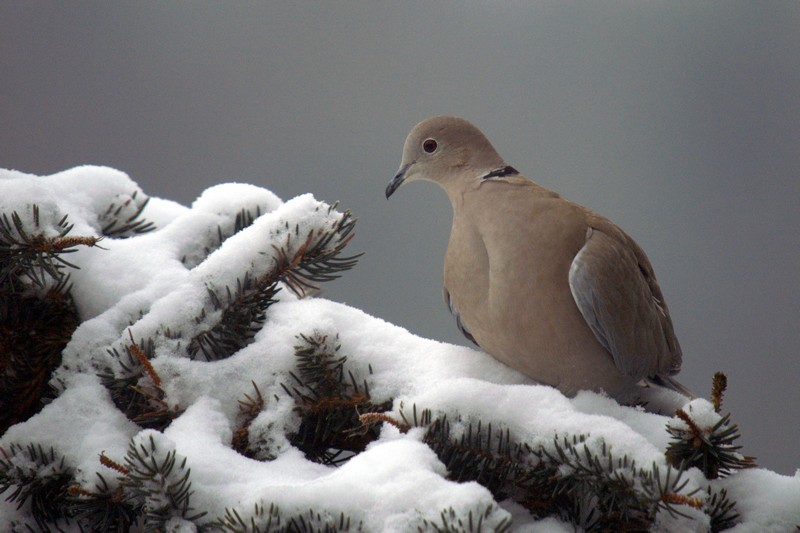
(678, 120)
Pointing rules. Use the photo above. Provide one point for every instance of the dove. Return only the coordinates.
(544, 285)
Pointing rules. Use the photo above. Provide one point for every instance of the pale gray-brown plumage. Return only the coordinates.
(546, 286)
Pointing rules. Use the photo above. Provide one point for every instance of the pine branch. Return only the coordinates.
(318, 259)
(272, 520)
(721, 510)
(451, 522)
(586, 485)
(368, 420)
(38, 477)
(712, 450)
(122, 219)
(31, 257)
(249, 409)
(608, 492)
(34, 297)
(41, 479)
(479, 454)
(144, 360)
(113, 465)
(136, 387)
(321, 369)
(244, 218)
(158, 484)
(417, 421)
(104, 509)
(719, 384)
(318, 522)
(329, 406)
(27, 361)
(244, 313)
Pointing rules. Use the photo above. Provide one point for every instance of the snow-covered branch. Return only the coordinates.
(179, 377)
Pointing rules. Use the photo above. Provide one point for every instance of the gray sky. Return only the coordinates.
(678, 120)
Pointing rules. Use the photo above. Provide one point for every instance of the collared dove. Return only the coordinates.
(544, 285)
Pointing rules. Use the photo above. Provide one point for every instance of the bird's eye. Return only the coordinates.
(430, 146)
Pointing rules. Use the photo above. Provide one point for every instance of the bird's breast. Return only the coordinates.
(508, 278)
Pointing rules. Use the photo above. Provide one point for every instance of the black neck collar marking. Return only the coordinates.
(501, 172)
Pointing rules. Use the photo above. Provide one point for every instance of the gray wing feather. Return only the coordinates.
(454, 312)
(615, 290)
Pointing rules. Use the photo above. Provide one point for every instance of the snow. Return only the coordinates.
(154, 284)
(81, 424)
(767, 501)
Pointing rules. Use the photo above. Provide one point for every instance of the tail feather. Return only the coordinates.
(669, 383)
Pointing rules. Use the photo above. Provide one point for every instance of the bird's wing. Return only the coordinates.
(616, 291)
(459, 323)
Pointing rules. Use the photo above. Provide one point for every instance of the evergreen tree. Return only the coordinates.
(574, 477)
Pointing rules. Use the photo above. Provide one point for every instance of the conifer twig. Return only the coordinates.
(249, 408)
(77, 490)
(693, 427)
(680, 499)
(121, 225)
(718, 387)
(140, 356)
(369, 419)
(711, 449)
(112, 464)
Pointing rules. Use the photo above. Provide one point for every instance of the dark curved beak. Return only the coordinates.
(397, 181)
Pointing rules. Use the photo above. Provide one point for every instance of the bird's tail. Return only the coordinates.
(662, 395)
(671, 384)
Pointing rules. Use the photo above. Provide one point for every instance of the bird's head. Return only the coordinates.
(446, 150)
